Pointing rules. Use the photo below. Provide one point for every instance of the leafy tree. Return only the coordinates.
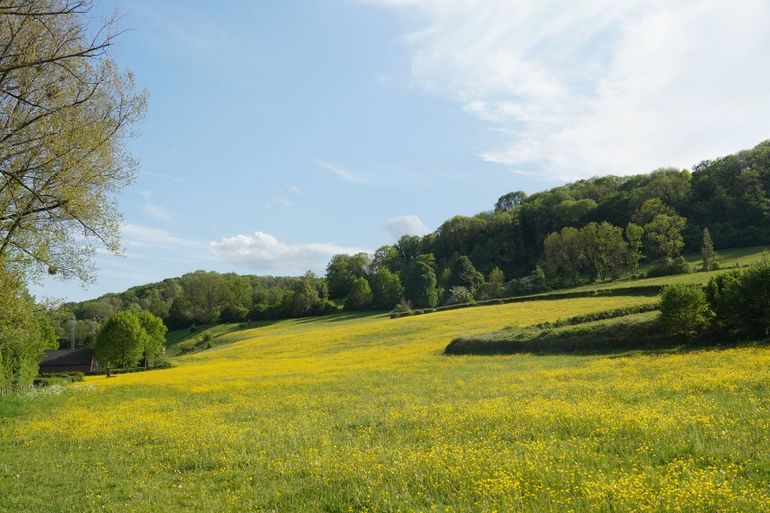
(459, 295)
(664, 235)
(385, 257)
(155, 340)
(66, 110)
(420, 284)
(564, 255)
(464, 274)
(387, 290)
(360, 295)
(206, 294)
(634, 236)
(496, 283)
(605, 249)
(305, 298)
(683, 310)
(342, 270)
(510, 201)
(650, 209)
(24, 336)
(707, 251)
(122, 340)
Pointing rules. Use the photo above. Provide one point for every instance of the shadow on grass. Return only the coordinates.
(615, 339)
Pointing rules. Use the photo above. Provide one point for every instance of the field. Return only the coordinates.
(364, 413)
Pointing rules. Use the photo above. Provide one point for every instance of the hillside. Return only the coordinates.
(363, 413)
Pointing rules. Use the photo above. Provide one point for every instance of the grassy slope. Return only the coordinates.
(362, 413)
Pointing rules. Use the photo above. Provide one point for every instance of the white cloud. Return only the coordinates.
(153, 209)
(580, 88)
(405, 225)
(263, 252)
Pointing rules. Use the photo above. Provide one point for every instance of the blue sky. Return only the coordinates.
(279, 133)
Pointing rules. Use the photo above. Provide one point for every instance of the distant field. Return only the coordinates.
(363, 413)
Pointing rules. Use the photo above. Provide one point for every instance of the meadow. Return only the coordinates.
(365, 413)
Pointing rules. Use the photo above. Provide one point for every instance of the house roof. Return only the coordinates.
(68, 357)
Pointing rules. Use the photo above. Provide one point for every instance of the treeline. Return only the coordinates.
(199, 298)
(589, 230)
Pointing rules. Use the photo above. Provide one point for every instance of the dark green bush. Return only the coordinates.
(684, 311)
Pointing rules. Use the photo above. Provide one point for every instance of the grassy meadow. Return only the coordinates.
(364, 413)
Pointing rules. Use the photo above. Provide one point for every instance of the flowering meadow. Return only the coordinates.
(363, 413)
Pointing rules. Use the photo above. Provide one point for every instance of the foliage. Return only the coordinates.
(459, 295)
(359, 296)
(387, 290)
(707, 251)
(684, 311)
(420, 284)
(663, 236)
(669, 267)
(122, 340)
(155, 341)
(342, 271)
(741, 300)
(495, 283)
(464, 274)
(24, 336)
(66, 110)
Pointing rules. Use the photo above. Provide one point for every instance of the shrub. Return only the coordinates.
(459, 295)
(683, 310)
(669, 267)
(741, 300)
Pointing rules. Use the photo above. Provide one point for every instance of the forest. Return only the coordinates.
(586, 231)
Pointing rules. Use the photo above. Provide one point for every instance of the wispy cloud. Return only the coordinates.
(347, 175)
(155, 210)
(405, 225)
(263, 252)
(161, 175)
(574, 89)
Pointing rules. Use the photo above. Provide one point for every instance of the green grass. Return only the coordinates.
(363, 413)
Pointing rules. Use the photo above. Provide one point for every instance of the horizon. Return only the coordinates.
(390, 117)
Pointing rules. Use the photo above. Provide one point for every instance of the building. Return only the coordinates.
(68, 360)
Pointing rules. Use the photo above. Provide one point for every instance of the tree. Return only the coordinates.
(634, 236)
(683, 310)
(563, 255)
(387, 290)
(496, 283)
(122, 340)
(206, 293)
(305, 298)
(155, 340)
(707, 251)
(605, 249)
(341, 272)
(664, 235)
(66, 110)
(24, 335)
(510, 201)
(464, 274)
(420, 284)
(360, 295)
(459, 295)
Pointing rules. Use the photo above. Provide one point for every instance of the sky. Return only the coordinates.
(279, 133)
